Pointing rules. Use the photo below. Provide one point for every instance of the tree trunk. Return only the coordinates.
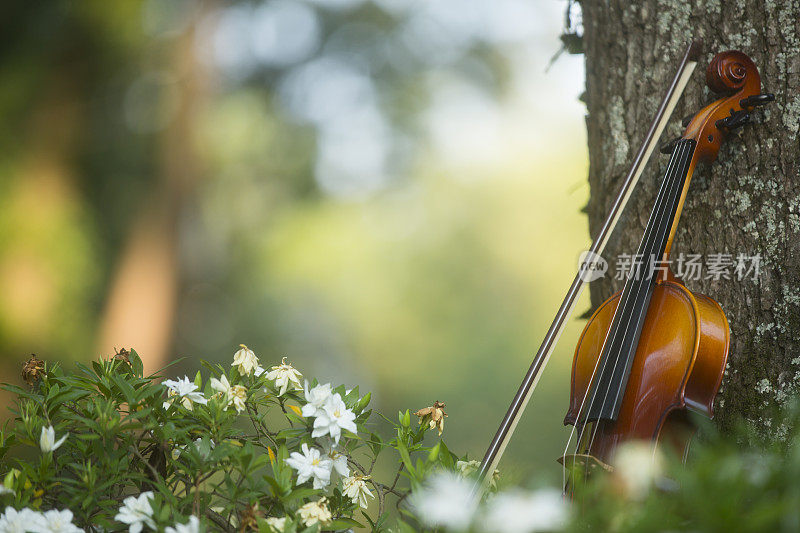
(747, 202)
(148, 273)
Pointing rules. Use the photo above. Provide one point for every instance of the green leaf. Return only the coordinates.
(403, 451)
(216, 370)
(405, 419)
(125, 388)
(136, 363)
(290, 433)
(283, 474)
(158, 373)
(350, 399)
(363, 402)
(301, 493)
(403, 527)
(446, 457)
(344, 523)
(375, 443)
(434, 453)
(276, 488)
(16, 390)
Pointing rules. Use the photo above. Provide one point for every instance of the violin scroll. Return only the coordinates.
(729, 71)
(734, 75)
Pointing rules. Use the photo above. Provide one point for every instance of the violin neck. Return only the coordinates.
(663, 220)
(620, 345)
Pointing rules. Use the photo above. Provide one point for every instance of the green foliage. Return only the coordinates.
(730, 482)
(226, 463)
(241, 449)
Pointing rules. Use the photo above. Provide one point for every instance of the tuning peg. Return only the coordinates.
(757, 100)
(736, 120)
(669, 146)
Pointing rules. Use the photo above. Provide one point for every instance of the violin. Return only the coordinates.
(517, 407)
(656, 350)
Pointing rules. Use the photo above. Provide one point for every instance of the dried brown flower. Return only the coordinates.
(248, 520)
(122, 355)
(433, 415)
(32, 370)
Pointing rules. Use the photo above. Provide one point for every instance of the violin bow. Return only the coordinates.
(520, 401)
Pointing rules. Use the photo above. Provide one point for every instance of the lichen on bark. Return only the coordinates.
(746, 202)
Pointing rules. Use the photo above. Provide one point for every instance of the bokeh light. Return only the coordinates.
(386, 192)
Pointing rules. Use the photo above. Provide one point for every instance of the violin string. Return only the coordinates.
(681, 180)
(628, 293)
(634, 291)
(627, 290)
(620, 308)
(663, 217)
(578, 421)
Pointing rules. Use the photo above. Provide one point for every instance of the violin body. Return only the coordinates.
(678, 364)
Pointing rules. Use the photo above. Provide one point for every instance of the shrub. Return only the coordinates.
(243, 448)
(106, 448)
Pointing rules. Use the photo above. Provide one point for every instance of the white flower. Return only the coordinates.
(47, 440)
(192, 526)
(355, 488)
(284, 373)
(185, 389)
(245, 361)
(316, 398)
(5, 490)
(314, 512)
(446, 500)
(520, 512)
(238, 397)
(338, 460)
(310, 464)
(55, 521)
(235, 395)
(277, 524)
(636, 466)
(333, 418)
(222, 385)
(136, 512)
(13, 521)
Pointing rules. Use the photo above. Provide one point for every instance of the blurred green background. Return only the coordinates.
(387, 192)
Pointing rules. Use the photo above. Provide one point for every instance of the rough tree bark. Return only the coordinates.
(747, 202)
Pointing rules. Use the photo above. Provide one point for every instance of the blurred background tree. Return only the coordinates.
(386, 192)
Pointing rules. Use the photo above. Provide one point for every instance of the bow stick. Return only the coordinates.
(520, 401)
